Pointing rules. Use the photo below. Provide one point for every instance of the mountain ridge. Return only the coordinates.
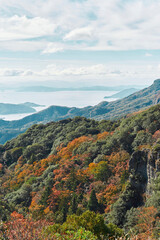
(124, 93)
(104, 110)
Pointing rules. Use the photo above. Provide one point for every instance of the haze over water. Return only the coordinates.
(62, 98)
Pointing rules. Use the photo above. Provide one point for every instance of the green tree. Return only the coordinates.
(142, 138)
(93, 202)
(73, 206)
(45, 195)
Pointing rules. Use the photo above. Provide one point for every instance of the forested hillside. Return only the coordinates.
(83, 179)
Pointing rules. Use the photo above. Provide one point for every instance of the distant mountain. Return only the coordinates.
(8, 108)
(104, 110)
(59, 84)
(30, 104)
(58, 89)
(123, 93)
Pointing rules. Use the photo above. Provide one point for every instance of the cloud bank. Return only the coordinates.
(80, 25)
(91, 71)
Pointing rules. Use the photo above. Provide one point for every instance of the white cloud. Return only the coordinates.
(17, 28)
(80, 34)
(54, 70)
(53, 48)
(23, 46)
(99, 74)
(118, 24)
(72, 71)
(8, 72)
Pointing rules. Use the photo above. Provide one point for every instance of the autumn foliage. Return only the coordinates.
(50, 181)
(21, 228)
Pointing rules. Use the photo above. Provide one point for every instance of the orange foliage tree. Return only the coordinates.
(146, 223)
(20, 228)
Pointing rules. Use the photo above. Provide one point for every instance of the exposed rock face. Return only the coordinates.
(143, 167)
(151, 170)
(138, 170)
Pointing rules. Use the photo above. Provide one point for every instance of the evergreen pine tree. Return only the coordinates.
(93, 202)
(64, 212)
(73, 207)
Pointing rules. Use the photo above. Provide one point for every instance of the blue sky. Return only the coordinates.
(111, 42)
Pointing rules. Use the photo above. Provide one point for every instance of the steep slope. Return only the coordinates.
(124, 93)
(104, 110)
(48, 137)
(136, 101)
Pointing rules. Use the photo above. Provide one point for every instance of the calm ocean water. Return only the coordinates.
(62, 98)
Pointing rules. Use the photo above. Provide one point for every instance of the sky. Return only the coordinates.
(94, 42)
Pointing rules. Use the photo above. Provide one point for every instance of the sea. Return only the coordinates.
(61, 98)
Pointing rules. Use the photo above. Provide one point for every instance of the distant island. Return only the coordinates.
(89, 88)
(30, 104)
(123, 93)
(9, 108)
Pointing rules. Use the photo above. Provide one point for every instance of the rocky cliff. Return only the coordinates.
(143, 167)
